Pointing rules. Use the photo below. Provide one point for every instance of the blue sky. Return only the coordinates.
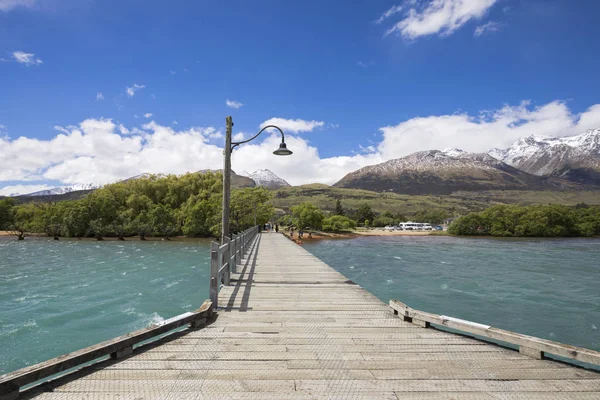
(351, 84)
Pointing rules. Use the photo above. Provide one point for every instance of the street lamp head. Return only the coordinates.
(282, 150)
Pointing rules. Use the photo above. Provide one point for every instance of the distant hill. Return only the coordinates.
(444, 172)
(575, 158)
(60, 190)
(266, 178)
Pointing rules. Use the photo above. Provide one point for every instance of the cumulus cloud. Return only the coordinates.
(99, 150)
(304, 166)
(99, 96)
(233, 104)
(148, 115)
(102, 151)
(26, 58)
(293, 125)
(131, 90)
(489, 27)
(480, 133)
(441, 17)
(8, 5)
(238, 137)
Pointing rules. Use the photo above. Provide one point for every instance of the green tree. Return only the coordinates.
(339, 210)
(162, 218)
(98, 228)
(385, 219)
(76, 219)
(364, 213)
(470, 224)
(6, 206)
(22, 220)
(307, 215)
(142, 225)
(201, 215)
(338, 223)
(248, 203)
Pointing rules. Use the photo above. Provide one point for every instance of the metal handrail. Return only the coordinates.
(225, 258)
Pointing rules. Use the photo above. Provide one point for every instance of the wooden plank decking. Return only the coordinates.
(291, 327)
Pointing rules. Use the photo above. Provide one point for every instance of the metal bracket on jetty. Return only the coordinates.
(528, 345)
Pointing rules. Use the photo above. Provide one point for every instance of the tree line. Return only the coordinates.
(188, 205)
(530, 221)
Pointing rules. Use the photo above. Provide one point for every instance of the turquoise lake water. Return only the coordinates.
(548, 288)
(60, 296)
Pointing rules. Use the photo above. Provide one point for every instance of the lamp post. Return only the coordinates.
(229, 146)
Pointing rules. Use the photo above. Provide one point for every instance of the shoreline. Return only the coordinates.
(360, 233)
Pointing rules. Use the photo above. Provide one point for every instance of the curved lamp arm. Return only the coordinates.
(234, 144)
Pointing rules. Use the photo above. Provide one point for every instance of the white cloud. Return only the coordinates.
(233, 104)
(238, 137)
(293, 125)
(101, 151)
(174, 122)
(131, 90)
(22, 189)
(99, 96)
(148, 115)
(389, 13)
(7, 5)
(489, 27)
(480, 133)
(123, 130)
(97, 151)
(365, 64)
(26, 58)
(441, 17)
(304, 166)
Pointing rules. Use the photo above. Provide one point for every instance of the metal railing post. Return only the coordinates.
(214, 274)
(226, 258)
(234, 239)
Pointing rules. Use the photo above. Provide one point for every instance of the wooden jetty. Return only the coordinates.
(288, 326)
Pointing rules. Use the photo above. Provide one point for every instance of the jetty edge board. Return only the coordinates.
(291, 327)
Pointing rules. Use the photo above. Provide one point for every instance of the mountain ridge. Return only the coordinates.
(444, 172)
(575, 158)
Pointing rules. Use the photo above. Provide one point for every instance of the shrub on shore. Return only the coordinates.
(530, 221)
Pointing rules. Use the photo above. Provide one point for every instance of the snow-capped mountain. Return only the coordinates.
(64, 189)
(266, 178)
(576, 158)
(444, 172)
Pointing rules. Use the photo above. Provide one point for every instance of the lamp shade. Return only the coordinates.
(282, 150)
